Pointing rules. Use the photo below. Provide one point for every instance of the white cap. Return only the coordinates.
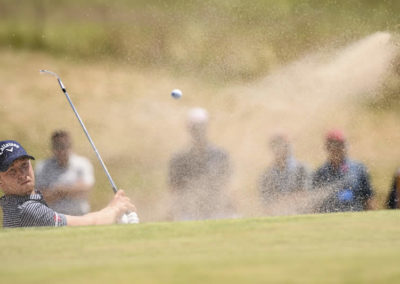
(197, 115)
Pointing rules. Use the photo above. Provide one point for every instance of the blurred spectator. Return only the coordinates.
(66, 179)
(346, 182)
(393, 201)
(199, 175)
(285, 175)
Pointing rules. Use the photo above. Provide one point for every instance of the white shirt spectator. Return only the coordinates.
(50, 175)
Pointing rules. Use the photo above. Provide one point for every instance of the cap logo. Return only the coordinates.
(7, 145)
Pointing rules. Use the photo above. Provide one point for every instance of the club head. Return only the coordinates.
(49, 72)
(55, 75)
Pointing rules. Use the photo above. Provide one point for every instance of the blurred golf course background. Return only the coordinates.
(120, 59)
(257, 66)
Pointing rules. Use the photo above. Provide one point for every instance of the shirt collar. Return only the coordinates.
(36, 195)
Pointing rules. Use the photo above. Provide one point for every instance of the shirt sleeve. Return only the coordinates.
(319, 178)
(36, 214)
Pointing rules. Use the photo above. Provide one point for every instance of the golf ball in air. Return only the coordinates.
(176, 94)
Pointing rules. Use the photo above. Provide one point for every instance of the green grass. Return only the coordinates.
(334, 248)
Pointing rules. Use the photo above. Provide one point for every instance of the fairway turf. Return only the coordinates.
(333, 248)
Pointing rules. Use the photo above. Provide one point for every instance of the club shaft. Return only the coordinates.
(114, 187)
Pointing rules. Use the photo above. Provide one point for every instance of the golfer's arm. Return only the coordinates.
(105, 216)
(84, 220)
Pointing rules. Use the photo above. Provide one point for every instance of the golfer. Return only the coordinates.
(23, 206)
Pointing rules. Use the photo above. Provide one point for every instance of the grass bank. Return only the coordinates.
(334, 248)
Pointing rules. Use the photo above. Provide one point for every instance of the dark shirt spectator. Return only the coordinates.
(345, 182)
(393, 201)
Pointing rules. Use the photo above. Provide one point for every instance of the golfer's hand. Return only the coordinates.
(121, 204)
(129, 218)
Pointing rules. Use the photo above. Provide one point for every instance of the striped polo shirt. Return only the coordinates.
(29, 211)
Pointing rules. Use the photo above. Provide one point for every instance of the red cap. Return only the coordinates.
(335, 135)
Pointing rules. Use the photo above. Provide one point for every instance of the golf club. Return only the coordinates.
(129, 217)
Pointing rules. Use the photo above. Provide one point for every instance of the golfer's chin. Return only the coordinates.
(27, 188)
